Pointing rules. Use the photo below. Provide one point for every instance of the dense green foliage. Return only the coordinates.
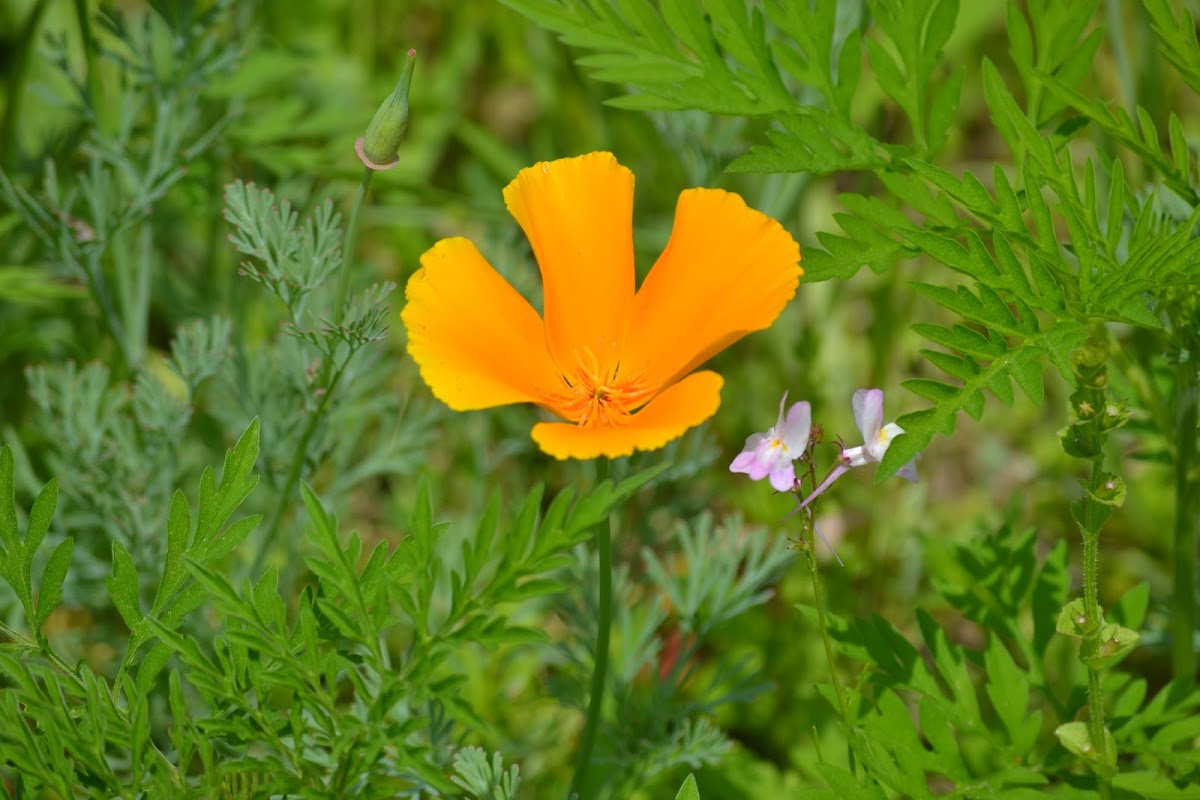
(373, 596)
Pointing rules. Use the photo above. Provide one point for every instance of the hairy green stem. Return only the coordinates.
(600, 666)
(1091, 571)
(1091, 643)
(1187, 519)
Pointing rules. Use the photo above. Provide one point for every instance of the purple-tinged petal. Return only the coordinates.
(783, 476)
(743, 462)
(779, 422)
(834, 474)
(796, 429)
(856, 456)
(758, 468)
(752, 442)
(868, 413)
(908, 471)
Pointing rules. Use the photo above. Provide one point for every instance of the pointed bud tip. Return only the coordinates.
(378, 149)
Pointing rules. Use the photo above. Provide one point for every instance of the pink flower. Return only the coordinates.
(773, 452)
(868, 416)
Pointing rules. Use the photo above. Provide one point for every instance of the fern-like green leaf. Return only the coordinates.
(813, 140)
(687, 54)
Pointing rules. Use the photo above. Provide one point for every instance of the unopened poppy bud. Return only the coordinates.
(378, 149)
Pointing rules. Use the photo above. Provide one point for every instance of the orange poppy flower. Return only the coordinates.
(617, 365)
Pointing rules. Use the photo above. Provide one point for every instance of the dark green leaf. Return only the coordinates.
(50, 588)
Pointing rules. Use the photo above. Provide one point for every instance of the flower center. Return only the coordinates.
(597, 394)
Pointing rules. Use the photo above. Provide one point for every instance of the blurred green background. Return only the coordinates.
(492, 94)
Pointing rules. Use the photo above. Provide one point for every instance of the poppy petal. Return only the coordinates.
(477, 341)
(578, 216)
(666, 417)
(727, 271)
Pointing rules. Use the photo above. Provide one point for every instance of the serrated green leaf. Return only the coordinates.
(41, 515)
(187, 601)
(1027, 373)
(123, 586)
(1000, 384)
(1131, 609)
(1176, 39)
(179, 528)
(728, 71)
(1020, 42)
(689, 790)
(967, 190)
(952, 667)
(1154, 786)
(866, 246)
(1129, 700)
(1008, 689)
(1019, 133)
(267, 601)
(943, 108)
(963, 339)
(217, 503)
(152, 664)
(812, 140)
(963, 368)
(50, 587)
(972, 260)
(216, 584)
(889, 74)
(222, 545)
(930, 390)
(937, 728)
(960, 301)
(346, 625)
(845, 784)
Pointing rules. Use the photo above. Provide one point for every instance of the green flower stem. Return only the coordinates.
(600, 667)
(328, 380)
(1187, 519)
(810, 550)
(343, 286)
(1091, 553)
(1091, 608)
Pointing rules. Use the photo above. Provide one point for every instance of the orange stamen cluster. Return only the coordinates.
(599, 395)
